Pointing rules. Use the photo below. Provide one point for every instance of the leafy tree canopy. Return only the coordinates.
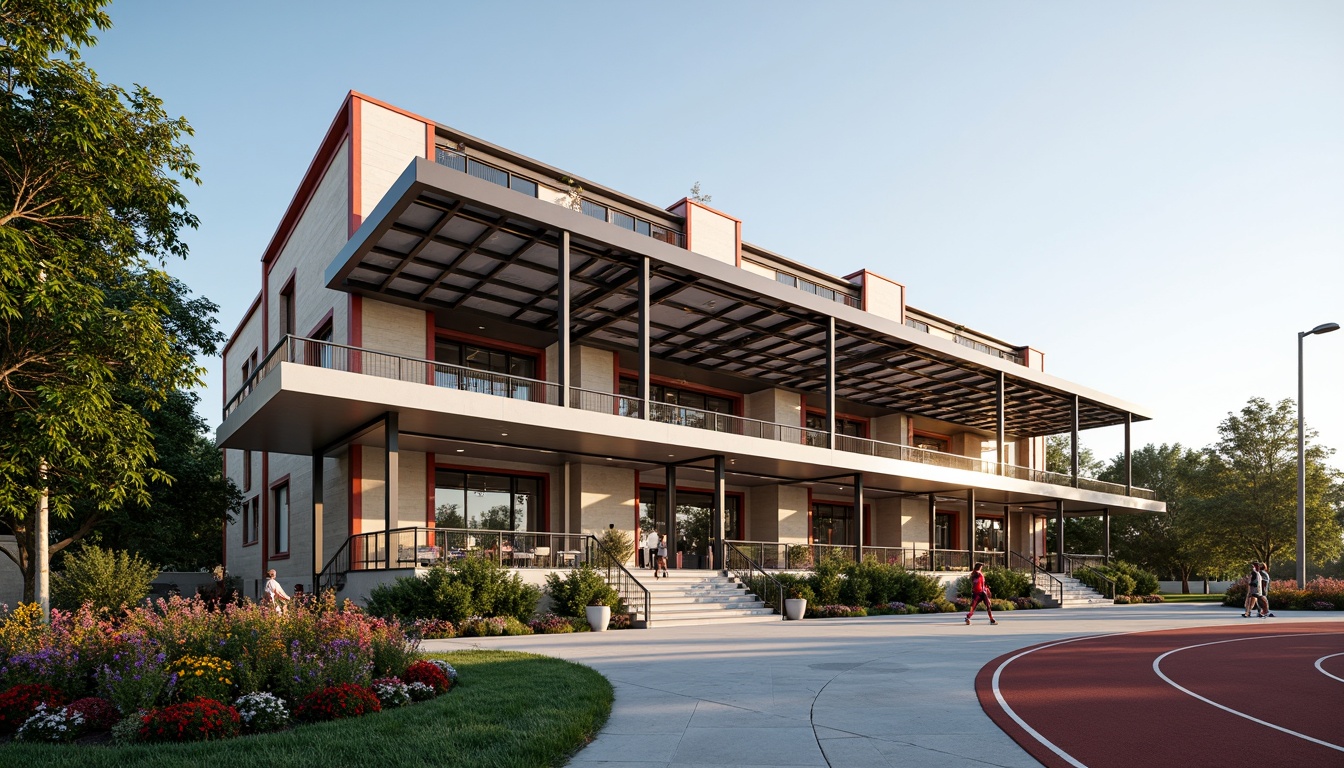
(91, 207)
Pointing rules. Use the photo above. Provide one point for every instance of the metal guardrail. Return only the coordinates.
(616, 574)
(761, 584)
(1040, 578)
(340, 357)
(783, 556)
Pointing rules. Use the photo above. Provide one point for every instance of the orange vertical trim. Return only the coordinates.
(265, 512)
(356, 165)
(356, 506)
(429, 142)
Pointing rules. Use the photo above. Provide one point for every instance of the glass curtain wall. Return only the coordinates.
(989, 534)
(490, 501)
(832, 523)
(694, 515)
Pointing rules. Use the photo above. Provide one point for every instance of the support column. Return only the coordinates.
(999, 422)
(671, 512)
(1106, 531)
(1007, 536)
(830, 382)
(563, 320)
(970, 511)
(644, 370)
(390, 471)
(1059, 536)
(317, 517)
(1073, 443)
(42, 548)
(720, 508)
(858, 517)
(933, 527)
(1129, 457)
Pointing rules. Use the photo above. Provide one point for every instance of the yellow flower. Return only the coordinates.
(198, 673)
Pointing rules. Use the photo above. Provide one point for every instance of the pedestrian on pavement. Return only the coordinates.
(661, 562)
(274, 594)
(1264, 592)
(651, 550)
(1252, 591)
(979, 592)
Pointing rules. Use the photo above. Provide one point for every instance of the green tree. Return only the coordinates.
(90, 210)
(1181, 542)
(448, 516)
(1058, 458)
(1251, 484)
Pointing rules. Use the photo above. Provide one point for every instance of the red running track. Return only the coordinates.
(1256, 695)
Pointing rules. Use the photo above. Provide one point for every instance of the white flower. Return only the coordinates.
(56, 724)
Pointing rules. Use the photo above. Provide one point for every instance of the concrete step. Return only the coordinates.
(716, 621)
(717, 609)
(740, 597)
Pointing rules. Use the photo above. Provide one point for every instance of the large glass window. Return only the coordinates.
(945, 530)
(490, 361)
(695, 513)
(832, 523)
(851, 427)
(280, 520)
(590, 208)
(487, 172)
(526, 186)
(495, 502)
(685, 407)
(989, 534)
(932, 442)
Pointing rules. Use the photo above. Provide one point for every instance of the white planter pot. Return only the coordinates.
(794, 608)
(599, 617)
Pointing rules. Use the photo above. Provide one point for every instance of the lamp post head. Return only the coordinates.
(1324, 328)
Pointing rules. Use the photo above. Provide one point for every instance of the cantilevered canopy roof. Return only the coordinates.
(442, 239)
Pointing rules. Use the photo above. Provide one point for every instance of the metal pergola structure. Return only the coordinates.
(460, 244)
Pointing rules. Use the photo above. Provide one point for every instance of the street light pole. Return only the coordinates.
(1302, 460)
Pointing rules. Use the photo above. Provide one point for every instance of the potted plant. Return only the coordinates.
(795, 601)
(599, 615)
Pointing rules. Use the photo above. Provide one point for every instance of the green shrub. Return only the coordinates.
(473, 586)
(1003, 583)
(105, 578)
(796, 587)
(580, 588)
(618, 543)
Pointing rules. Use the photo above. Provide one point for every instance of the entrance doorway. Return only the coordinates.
(695, 510)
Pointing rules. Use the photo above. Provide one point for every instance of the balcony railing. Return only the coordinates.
(325, 354)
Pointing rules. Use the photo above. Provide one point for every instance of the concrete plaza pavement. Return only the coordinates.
(880, 691)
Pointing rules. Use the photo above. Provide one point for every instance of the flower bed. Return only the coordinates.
(1289, 598)
(1137, 599)
(178, 671)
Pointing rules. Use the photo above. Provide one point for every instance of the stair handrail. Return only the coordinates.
(745, 568)
(1018, 561)
(623, 577)
(1092, 570)
(326, 578)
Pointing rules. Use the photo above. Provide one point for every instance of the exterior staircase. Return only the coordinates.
(691, 597)
(1076, 595)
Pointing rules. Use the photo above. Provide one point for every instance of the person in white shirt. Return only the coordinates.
(274, 594)
(651, 550)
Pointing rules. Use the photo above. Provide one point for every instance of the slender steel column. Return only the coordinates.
(1129, 457)
(999, 454)
(1106, 529)
(1073, 443)
(720, 508)
(317, 516)
(858, 517)
(644, 370)
(970, 511)
(1059, 534)
(563, 320)
(933, 527)
(671, 513)
(390, 472)
(830, 382)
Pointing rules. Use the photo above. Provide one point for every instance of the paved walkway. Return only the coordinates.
(881, 691)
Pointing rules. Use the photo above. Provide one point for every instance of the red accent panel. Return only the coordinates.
(265, 511)
(355, 509)
(355, 333)
(356, 164)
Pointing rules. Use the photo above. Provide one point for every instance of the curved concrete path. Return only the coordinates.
(881, 691)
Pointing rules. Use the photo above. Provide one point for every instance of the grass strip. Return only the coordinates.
(508, 710)
(1216, 597)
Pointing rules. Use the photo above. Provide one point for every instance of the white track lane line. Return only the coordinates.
(998, 696)
(1322, 669)
(1157, 668)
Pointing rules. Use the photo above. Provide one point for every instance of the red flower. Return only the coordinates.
(20, 702)
(206, 718)
(429, 674)
(336, 702)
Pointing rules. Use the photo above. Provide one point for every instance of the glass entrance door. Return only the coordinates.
(695, 513)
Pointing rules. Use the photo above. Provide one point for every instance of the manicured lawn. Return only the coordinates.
(508, 709)
(1216, 597)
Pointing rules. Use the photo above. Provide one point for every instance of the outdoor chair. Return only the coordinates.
(543, 554)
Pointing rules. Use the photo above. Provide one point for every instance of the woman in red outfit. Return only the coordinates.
(979, 592)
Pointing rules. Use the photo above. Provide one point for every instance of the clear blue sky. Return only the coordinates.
(1152, 193)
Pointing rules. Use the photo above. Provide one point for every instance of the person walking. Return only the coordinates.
(1253, 583)
(979, 592)
(274, 594)
(1264, 592)
(651, 550)
(661, 562)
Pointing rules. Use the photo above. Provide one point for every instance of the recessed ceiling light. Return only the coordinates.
(460, 450)
(503, 434)
(670, 455)
(480, 327)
